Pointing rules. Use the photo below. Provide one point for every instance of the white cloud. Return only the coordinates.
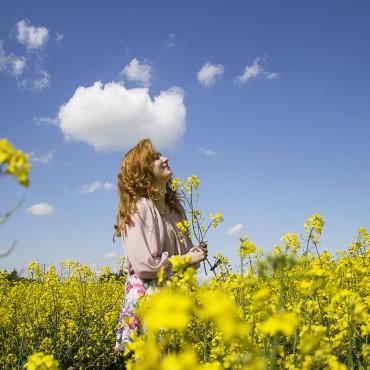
(256, 70)
(235, 230)
(17, 64)
(110, 255)
(34, 38)
(272, 75)
(208, 74)
(3, 56)
(59, 37)
(38, 83)
(10, 63)
(136, 71)
(43, 81)
(40, 209)
(171, 41)
(43, 158)
(112, 117)
(30, 36)
(45, 120)
(97, 185)
(207, 151)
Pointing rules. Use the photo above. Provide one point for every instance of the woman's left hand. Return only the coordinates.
(200, 247)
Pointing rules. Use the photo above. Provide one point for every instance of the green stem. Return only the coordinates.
(205, 349)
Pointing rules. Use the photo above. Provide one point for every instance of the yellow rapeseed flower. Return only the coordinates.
(194, 181)
(184, 230)
(166, 309)
(41, 361)
(185, 360)
(314, 222)
(246, 247)
(219, 307)
(281, 322)
(292, 242)
(179, 263)
(16, 162)
(216, 218)
(174, 183)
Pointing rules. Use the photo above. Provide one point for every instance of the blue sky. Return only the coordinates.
(267, 102)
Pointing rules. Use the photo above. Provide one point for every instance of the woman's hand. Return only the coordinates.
(198, 253)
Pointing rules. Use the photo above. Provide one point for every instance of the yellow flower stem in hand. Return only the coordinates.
(186, 188)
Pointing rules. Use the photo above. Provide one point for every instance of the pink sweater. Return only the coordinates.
(152, 239)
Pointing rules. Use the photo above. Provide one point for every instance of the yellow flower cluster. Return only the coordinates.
(194, 181)
(216, 218)
(41, 361)
(291, 311)
(292, 242)
(183, 230)
(281, 322)
(246, 246)
(174, 183)
(69, 311)
(314, 225)
(16, 162)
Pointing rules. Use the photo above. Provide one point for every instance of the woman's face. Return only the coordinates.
(161, 170)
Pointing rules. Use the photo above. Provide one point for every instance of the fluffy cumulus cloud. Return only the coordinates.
(139, 72)
(95, 186)
(40, 209)
(30, 36)
(256, 70)
(209, 73)
(235, 230)
(112, 117)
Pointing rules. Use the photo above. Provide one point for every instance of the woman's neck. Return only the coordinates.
(162, 192)
(162, 201)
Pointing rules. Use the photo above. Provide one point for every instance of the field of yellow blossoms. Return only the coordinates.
(297, 307)
(294, 308)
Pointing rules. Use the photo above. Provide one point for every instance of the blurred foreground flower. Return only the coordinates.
(41, 361)
(281, 322)
(16, 162)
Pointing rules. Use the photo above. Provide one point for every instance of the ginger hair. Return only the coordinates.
(134, 181)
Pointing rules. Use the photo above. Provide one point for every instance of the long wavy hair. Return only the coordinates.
(135, 179)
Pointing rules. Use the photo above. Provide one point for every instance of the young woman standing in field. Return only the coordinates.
(147, 214)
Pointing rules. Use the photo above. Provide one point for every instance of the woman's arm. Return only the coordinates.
(142, 244)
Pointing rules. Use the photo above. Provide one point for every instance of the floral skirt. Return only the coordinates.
(128, 321)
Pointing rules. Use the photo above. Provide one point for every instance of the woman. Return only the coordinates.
(148, 212)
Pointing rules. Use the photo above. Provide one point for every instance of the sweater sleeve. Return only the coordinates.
(142, 243)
